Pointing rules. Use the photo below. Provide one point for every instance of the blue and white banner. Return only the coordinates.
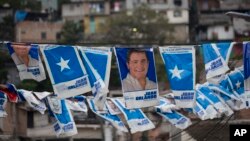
(67, 73)
(219, 105)
(231, 99)
(64, 125)
(97, 62)
(113, 119)
(246, 59)
(77, 103)
(136, 119)
(138, 76)
(112, 108)
(42, 95)
(203, 108)
(180, 66)
(3, 102)
(215, 57)
(174, 117)
(33, 101)
(28, 61)
(236, 82)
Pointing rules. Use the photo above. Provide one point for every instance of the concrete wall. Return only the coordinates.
(28, 31)
(73, 11)
(221, 33)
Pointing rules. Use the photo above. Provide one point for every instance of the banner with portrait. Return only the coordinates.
(180, 66)
(66, 71)
(27, 60)
(97, 62)
(138, 76)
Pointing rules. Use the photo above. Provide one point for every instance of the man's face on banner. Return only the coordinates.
(138, 65)
(21, 50)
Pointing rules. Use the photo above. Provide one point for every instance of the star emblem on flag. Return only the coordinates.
(176, 72)
(63, 64)
(201, 96)
(238, 84)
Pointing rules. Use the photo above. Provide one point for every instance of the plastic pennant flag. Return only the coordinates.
(99, 87)
(219, 105)
(42, 95)
(199, 111)
(11, 92)
(27, 60)
(215, 64)
(112, 108)
(246, 60)
(112, 119)
(180, 66)
(174, 117)
(203, 103)
(231, 100)
(67, 73)
(3, 102)
(136, 119)
(77, 103)
(236, 82)
(64, 125)
(138, 76)
(100, 59)
(32, 101)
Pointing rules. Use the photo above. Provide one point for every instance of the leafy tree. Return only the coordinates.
(6, 29)
(144, 25)
(71, 33)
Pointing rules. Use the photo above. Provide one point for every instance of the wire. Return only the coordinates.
(223, 126)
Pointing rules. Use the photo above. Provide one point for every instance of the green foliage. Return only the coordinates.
(6, 29)
(23, 4)
(71, 33)
(4, 57)
(144, 25)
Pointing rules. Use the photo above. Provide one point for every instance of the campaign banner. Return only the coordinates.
(33, 102)
(174, 117)
(11, 92)
(213, 99)
(64, 124)
(3, 102)
(138, 76)
(204, 105)
(112, 108)
(113, 119)
(27, 60)
(97, 62)
(180, 67)
(215, 58)
(77, 103)
(136, 119)
(42, 95)
(236, 82)
(233, 101)
(66, 71)
(246, 62)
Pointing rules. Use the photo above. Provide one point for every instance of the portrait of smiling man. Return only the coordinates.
(137, 63)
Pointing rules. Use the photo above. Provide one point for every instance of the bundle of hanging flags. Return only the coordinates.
(75, 70)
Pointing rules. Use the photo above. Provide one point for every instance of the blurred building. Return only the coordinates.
(38, 32)
(213, 24)
(177, 12)
(73, 11)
